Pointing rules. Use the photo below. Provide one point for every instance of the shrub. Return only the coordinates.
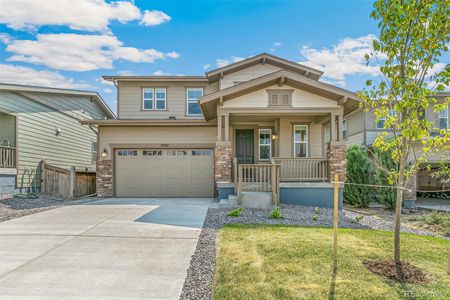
(275, 214)
(314, 217)
(358, 171)
(236, 212)
(383, 176)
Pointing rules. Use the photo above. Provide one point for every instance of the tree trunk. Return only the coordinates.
(398, 205)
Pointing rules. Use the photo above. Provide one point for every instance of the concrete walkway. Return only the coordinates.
(107, 249)
(433, 204)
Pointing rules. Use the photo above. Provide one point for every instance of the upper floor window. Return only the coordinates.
(443, 119)
(382, 120)
(192, 105)
(154, 99)
(344, 129)
(265, 144)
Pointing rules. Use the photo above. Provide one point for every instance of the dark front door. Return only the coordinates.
(244, 146)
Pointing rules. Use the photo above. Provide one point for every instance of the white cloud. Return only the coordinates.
(160, 73)
(225, 62)
(89, 15)
(207, 66)
(25, 75)
(154, 17)
(344, 59)
(77, 52)
(277, 44)
(126, 73)
(107, 91)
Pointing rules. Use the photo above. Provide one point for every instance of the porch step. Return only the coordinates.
(249, 200)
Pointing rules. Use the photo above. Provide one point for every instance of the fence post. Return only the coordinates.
(42, 176)
(335, 221)
(72, 178)
(239, 188)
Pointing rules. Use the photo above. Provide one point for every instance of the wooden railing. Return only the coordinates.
(302, 169)
(7, 157)
(66, 183)
(259, 178)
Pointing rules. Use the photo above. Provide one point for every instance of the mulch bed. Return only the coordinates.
(403, 272)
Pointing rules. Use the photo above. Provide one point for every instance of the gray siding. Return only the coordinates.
(8, 128)
(130, 99)
(37, 140)
(355, 127)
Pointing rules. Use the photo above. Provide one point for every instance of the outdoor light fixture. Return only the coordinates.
(274, 136)
(104, 153)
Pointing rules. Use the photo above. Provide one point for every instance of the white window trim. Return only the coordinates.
(153, 108)
(441, 116)
(165, 98)
(390, 112)
(192, 101)
(302, 142)
(345, 129)
(269, 144)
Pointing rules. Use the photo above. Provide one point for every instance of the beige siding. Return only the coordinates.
(37, 140)
(355, 127)
(300, 98)
(156, 136)
(130, 100)
(247, 74)
(355, 139)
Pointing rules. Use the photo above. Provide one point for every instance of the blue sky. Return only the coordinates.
(71, 44)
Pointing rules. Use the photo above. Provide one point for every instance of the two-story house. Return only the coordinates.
(196, 136)
(40, 123)
(362, 128)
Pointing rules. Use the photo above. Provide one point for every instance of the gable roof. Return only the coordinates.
(31, 88)
(209, 102)
(263, 58)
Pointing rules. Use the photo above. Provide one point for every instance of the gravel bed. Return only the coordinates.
(200, 275)
(12, 208)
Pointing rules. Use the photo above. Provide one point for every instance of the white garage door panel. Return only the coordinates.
(166, 173)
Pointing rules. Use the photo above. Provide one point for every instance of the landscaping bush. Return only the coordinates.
(358, 171)
(382, 176)
(275, 214)
(236, 212)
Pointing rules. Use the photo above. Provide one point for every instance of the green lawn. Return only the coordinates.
(282, 262)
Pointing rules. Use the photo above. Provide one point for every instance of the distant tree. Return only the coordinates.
(413, 36)
(358, 171)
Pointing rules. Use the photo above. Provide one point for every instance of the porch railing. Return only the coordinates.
(302, 169)
(7, 157)
(259, 178)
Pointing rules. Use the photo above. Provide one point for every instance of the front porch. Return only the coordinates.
(289, 156)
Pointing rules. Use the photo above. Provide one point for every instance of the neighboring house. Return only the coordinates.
(44, 123)
(184, 136)
(362, 128)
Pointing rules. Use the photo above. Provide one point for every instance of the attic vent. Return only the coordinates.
(280, 97)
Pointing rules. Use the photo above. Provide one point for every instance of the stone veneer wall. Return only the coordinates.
(222, 163)
(409, 196)
(105, 178)
(337, 161)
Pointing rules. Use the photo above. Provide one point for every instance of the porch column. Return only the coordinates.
(227, 128)
(337, 162)
(409, 196)
(219, 127)
(222, 162)
(333, 127)
(340, 126)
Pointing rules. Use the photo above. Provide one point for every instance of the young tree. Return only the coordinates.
(413, 36)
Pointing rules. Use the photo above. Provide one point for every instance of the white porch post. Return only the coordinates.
(333, 127)
(227, 127)
(219, 127)
(340, 126)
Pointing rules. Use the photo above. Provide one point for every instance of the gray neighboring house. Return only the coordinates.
(44, 123)
(362, 128)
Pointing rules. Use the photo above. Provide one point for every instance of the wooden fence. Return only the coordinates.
(7, 157)
(65, 183)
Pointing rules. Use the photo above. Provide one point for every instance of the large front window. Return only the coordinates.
(443, 119)
(265, 149)
(301, 140)
(192, 96)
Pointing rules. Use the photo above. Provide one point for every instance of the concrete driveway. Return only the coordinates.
(107, 249)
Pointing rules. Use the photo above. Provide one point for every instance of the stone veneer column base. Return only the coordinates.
(337, 161)
(410, 196)
(222, 163)
(105, 178)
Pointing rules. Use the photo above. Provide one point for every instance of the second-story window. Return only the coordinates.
(382, 120)
(443, 119)
(154, 98)
(192, 96)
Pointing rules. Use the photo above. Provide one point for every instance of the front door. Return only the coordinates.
(244, 146)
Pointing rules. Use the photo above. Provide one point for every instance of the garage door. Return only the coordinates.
(164, 173)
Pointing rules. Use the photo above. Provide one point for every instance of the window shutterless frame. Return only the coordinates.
(382, 120)
(160, 98)
(154, 99)
(301, 141)
(192, 100)
(443, 122)
(265, 143)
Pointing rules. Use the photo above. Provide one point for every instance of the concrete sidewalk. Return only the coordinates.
(111, 248)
